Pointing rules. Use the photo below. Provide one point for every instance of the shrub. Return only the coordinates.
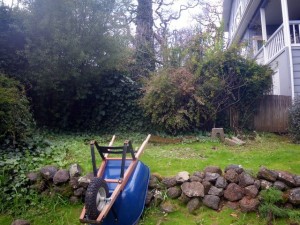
(294, 121)
(170, 100)
(15, 117)
(226, 80)
(183, 100)
(272, 207)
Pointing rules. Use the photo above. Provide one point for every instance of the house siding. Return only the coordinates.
(281, 67)
(296, 69)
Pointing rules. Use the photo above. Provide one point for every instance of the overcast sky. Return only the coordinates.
(185, 21)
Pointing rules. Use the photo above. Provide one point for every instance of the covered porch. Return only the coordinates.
(275, 28)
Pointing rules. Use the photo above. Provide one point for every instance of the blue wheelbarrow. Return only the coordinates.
(117, 193)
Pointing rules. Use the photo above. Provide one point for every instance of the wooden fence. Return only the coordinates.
(272, 115)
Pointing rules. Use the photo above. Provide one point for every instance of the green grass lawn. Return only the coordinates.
(269, 150)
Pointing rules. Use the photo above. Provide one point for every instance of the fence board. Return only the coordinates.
(272, 115)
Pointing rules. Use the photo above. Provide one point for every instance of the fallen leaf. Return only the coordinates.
(234, 215)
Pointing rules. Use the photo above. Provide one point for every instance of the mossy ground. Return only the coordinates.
(269, 150)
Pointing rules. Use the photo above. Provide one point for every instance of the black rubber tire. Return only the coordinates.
(97, 185)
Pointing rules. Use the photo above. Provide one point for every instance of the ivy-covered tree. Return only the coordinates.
(145, 55)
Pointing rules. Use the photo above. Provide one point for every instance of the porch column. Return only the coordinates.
(263, 24)
(286, 23)
(287, 40)
(264, 31)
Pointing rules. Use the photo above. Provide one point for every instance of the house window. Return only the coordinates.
(257, 43)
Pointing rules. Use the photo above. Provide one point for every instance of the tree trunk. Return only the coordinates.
(145, 58)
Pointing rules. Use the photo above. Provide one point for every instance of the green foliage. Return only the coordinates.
(171, 101)
(294, 121)
(178, 100)
(229, 81)
(271, 206)
(15, 188)
(78, 66)
(15, 116)
(12, 42)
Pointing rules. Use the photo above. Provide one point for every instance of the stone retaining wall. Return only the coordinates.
(234, 187)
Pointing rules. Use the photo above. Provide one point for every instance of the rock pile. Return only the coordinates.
(69, 183)
(212, 187)
(235, 188)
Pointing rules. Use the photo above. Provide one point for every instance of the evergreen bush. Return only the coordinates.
(16, 123)
(294, 121)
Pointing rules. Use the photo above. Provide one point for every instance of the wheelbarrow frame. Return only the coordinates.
(124, 176)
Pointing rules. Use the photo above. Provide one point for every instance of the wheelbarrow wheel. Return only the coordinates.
(94, 202)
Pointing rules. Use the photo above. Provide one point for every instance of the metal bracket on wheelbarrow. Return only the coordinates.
(104, 152)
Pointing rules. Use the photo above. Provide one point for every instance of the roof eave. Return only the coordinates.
(226, 13)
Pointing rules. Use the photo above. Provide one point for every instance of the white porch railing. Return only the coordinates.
(274, 44)
(295, 31)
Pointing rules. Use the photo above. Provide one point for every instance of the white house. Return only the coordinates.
(270, 30)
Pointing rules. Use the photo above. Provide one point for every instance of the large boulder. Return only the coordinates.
(193, 189)
(251, 191)
(153, 182)
(196, 178)
(199, 174)
(169, 182)
(257, 184)
(75, 170)
(264, 184)
(79, 192)
(149, 198)
(297, 180)
(213, 169)
(245, 179)
(48, 172)
(294, 196)
(211, 201)
(237, 168)
(248, 204)
(286, 178)
(61, 176)
(85, 180)
(280, 185)
(182, 177)
(207, 185)
(193, 205)
(266, 174)
(234, 192)
(216, 191)
(174, 192)
(74, 182)
(221, 182)
(211, 177)
(231, 176)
